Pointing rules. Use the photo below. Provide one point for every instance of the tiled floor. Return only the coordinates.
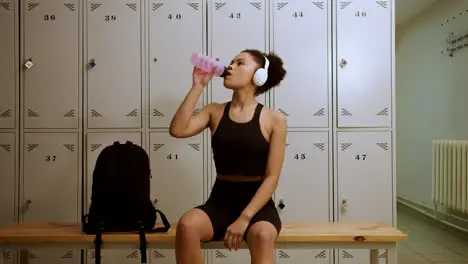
(428, 244)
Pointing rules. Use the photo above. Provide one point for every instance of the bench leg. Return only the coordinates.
(374, 256)
(392, 254)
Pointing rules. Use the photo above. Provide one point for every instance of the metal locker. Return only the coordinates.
(111, 256)
(177, 173)
(173, 23)
(177, 179)
(113, 71)
(364, 63)
(8, 82)
(224, 256)
(7, 188)
(303, 96)
(50, 63)
(364, 182)
(51, 164)
(235, 25)
(8, 179)
(304, 177)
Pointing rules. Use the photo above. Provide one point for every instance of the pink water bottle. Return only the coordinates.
(206, 64)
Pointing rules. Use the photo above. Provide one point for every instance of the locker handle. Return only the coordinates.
(343, 62)
(28, 63)
(344, 204)
(281, 204)
(92, 63)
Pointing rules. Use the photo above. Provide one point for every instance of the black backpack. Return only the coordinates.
(120, 197)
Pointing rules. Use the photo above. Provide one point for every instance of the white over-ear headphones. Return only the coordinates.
(261, 75)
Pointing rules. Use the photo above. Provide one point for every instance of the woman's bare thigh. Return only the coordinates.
(197, 221)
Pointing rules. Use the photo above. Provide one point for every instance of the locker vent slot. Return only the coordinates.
(133, 113)
(195, 6)
(219, 5)
(6, 147)
(344, 146)
(347, 255)
(283, 112)
(322, 254)
(157, 254)
(93, 254)
(280, 5)
(71, 113)
(318, 4)
(31, 147)
(157, 146)
(69, 255)
(219, 254)
(31, 113)
(70, 6)
(383, 112)
(31, 6)
(7, 113)
(195, 146)
(257, 5)
(283, 254)
(95, 6)
(5, 5)
(7, 255)
(157, 5)
(383, 145)
(133, 6)
(382, 3)
(94, 113)
(343, 4)
(345, 112)
(94, 147)
(320, 112)
(321, 146)
(383, 255)
(133, 255)
(70, 147)
(157, 113)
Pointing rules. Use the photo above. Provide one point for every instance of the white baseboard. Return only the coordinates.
(449, 220)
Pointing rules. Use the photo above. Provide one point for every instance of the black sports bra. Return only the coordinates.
(240, 148)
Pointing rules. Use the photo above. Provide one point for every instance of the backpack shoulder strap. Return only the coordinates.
(166, 224)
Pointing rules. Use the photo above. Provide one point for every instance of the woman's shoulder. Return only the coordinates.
(274, 115)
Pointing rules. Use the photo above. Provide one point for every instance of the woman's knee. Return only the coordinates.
(195, 223)
(262, 233)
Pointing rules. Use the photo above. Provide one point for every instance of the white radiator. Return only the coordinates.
(450, 174)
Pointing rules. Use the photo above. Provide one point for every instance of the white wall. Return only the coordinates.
(432, 94)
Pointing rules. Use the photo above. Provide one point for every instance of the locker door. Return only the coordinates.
(173, 23)
(303, 95)
(235, 25)
(7, 64)
(7, 187)
(113, 41)
(51, 187)
(177, 179)
(364, 63)
(224, 256)
(304, 177)
(364, 182)
(51, 70)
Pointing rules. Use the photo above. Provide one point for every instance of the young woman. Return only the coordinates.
(248, 142)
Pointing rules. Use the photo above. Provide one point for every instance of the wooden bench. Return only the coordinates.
(372, 236)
